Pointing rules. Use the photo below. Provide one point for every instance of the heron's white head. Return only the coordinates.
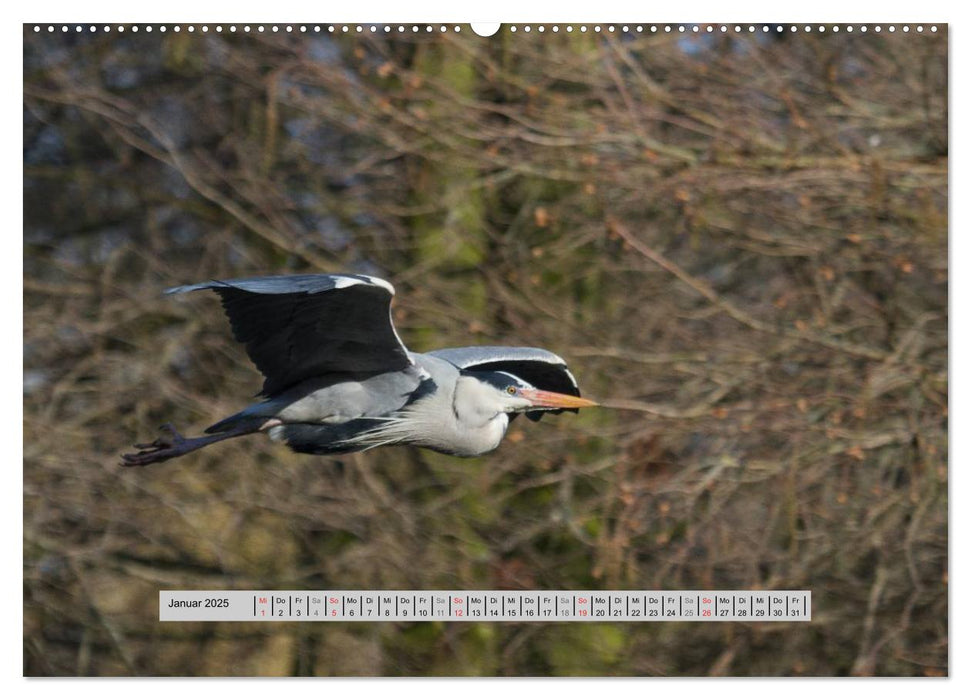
(494, 393)
(472, 419)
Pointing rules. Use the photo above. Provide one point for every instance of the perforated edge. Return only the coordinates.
(513, 28)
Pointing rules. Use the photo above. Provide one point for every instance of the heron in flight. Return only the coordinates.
(338, 378)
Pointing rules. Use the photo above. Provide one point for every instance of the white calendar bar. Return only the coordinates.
(480, 606)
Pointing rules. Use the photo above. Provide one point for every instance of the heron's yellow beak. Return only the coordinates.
(550, 399)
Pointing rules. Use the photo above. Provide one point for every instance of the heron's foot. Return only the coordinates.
(163, 448)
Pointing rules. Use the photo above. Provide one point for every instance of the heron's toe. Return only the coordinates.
(133, 460)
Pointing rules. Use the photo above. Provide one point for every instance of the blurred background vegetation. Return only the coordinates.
(739, 243)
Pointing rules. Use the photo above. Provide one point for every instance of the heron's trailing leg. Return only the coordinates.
(174, 445)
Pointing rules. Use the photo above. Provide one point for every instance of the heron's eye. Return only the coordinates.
(510, 390)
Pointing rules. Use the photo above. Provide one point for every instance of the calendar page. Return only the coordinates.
(544, 349)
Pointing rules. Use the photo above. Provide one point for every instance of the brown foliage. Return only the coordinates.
(738, 242)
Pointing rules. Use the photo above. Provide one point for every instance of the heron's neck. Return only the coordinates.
(469, 440)
(461, 422)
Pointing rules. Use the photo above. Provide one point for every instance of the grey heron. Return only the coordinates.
(337, 377)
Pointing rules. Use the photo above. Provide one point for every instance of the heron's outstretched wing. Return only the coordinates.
(300, 326)
(541, 368)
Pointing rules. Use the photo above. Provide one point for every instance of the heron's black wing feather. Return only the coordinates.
(541, 368)
(300, 326)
